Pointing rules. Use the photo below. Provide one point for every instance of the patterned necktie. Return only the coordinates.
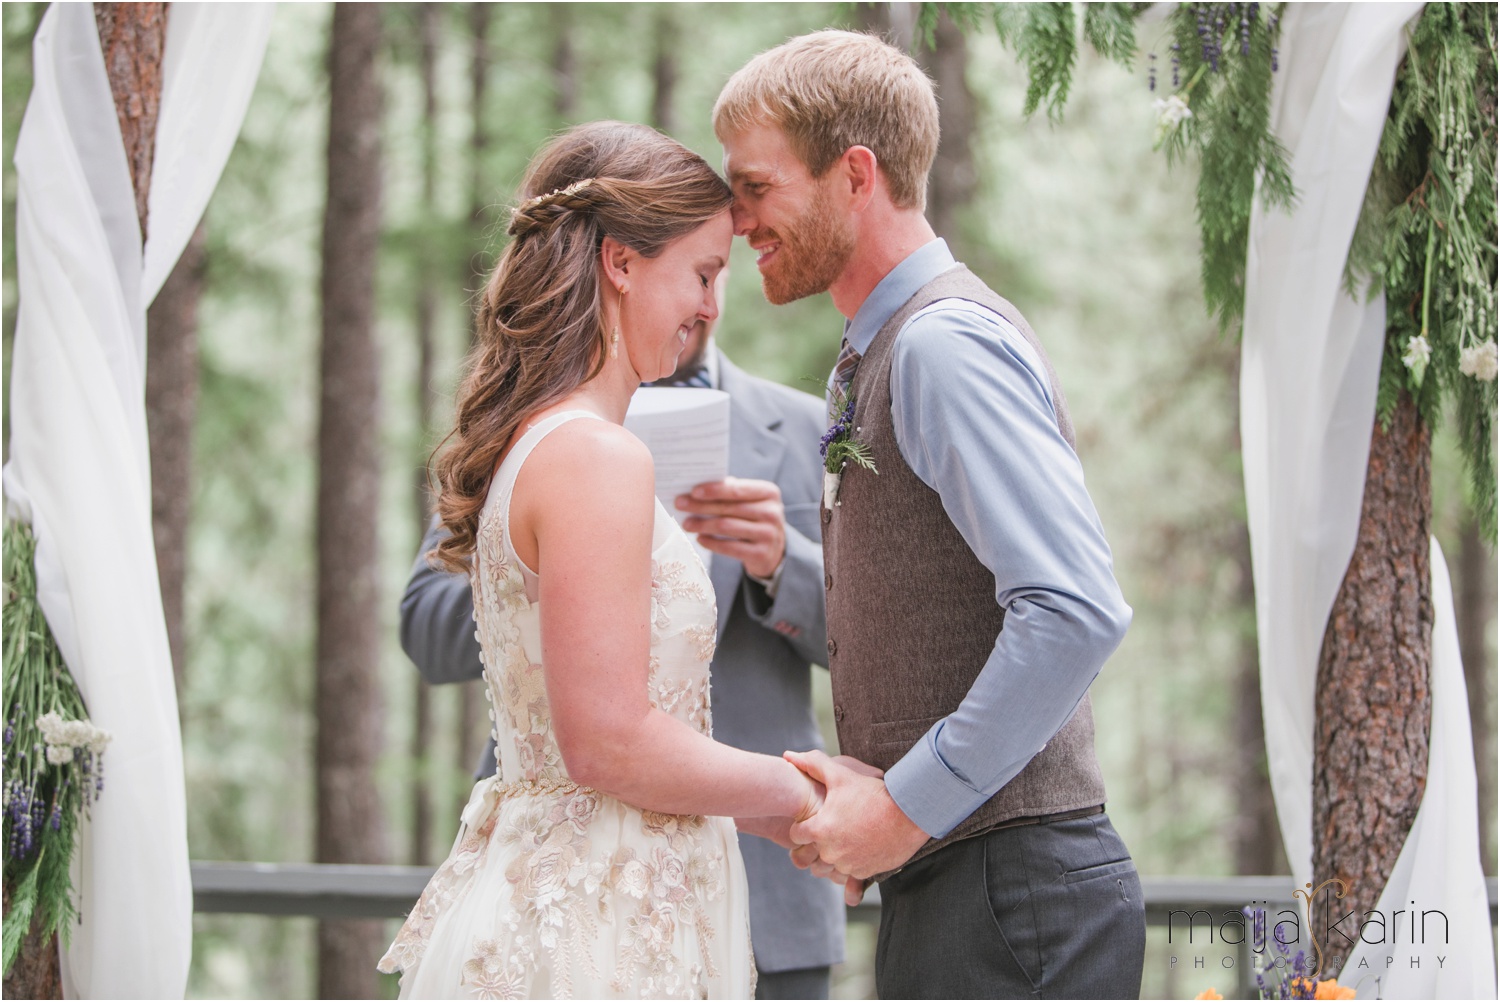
(843, 376)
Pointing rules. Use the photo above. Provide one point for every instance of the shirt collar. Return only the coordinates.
(920, 267)
(711, 362)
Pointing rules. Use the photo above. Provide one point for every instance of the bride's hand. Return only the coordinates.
(815, 794)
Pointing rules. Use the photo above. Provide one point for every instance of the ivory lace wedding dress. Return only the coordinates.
(557, 890)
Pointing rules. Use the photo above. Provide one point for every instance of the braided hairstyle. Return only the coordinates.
(540, 329)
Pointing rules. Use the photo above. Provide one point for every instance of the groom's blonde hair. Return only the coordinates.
(831, 90)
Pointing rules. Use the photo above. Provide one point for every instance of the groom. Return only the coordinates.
(1001, 876)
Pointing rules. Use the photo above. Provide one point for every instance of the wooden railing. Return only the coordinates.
(323, 890)
(1184, 913)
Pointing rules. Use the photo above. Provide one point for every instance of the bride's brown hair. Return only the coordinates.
(540, 329)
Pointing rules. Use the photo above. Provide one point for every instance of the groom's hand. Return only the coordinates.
(859, 831)
(743, 519)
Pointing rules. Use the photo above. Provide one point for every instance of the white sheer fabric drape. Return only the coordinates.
(79, 467)
(1310, 364)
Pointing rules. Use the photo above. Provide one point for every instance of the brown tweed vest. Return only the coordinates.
(912, 616)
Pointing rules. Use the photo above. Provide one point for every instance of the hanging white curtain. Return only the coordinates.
(79, 467)
(1310, 365)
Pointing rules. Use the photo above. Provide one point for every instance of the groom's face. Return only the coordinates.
(786, 215)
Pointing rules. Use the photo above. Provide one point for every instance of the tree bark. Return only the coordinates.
(171, 405)
(466, 694)
(895, 22)
(350, 823)
(1474, 606)
(132, 37)
(564, 64)
(426, 309)
(37, 972)
(664, 70)
(950, 191)
(479, 142)
(1374, 706)
(1258, 847)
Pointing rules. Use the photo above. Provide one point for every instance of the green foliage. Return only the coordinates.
(1044, 38)
(1426, 234)
(43, 799)
(1225, 52)
(1227, 55)
(1110, 29)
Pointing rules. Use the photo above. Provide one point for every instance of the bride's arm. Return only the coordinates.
(584, 506)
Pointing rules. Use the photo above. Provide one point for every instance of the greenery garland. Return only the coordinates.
(53, 758)
(1426, 234)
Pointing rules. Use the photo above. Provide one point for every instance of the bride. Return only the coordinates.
(601, 860)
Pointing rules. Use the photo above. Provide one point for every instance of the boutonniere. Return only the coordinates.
(839, 448)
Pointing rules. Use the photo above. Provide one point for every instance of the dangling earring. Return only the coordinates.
(614, 338)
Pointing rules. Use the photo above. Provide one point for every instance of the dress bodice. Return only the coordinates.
(555, 890)
(507, 612)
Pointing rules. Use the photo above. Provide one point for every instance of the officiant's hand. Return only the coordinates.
(743, 519)
(859, 830)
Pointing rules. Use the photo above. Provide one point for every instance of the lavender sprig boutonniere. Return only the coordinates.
(839, 448)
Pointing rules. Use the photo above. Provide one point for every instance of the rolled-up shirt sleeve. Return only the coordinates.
(973, 414)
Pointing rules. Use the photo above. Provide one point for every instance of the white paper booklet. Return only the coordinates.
(687, 431)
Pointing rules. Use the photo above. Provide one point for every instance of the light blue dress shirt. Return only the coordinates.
(973, 413)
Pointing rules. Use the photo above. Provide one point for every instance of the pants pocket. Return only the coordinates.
(1011, 907)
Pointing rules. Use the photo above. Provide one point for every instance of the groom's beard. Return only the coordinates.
(815, 250)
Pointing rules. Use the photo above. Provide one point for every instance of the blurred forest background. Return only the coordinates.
(1080, 223)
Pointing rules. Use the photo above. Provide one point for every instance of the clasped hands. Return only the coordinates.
(857, 831)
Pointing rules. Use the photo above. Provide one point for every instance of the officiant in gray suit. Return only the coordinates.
(767, 572)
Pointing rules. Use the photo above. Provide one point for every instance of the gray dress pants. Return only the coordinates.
(1045, 911)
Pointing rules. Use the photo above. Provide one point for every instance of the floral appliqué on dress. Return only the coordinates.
(591, 896)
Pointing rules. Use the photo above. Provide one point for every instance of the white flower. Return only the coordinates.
(59, 754)
(1418, 352)
(1170, 111)
(1479, 361)
(72, 733)
(52, 728)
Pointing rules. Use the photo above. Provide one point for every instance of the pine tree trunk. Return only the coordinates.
(668, 34)
(894, 22)
(950, 192)
(1374, 706)
(479, 140)
(171, 404)
(1258, 847)
(350, 824)
(37, 972)
(132, 37)
(1474, 607)
(466, 694)
(426, 309)
(564, 64)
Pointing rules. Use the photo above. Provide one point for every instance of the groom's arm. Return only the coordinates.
(437, 620)
(974, 419)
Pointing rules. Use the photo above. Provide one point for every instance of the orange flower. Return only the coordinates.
(1331, 989)
(1208, 993)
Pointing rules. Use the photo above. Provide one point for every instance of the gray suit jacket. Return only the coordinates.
(761, 680)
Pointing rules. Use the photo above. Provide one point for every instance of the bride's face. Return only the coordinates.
(669, 294)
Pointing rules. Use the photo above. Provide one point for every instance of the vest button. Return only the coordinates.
(833, 647)
(828, 582)
(838, 712)
(827, 516)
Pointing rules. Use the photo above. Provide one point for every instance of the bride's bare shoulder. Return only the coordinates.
(589, 466)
